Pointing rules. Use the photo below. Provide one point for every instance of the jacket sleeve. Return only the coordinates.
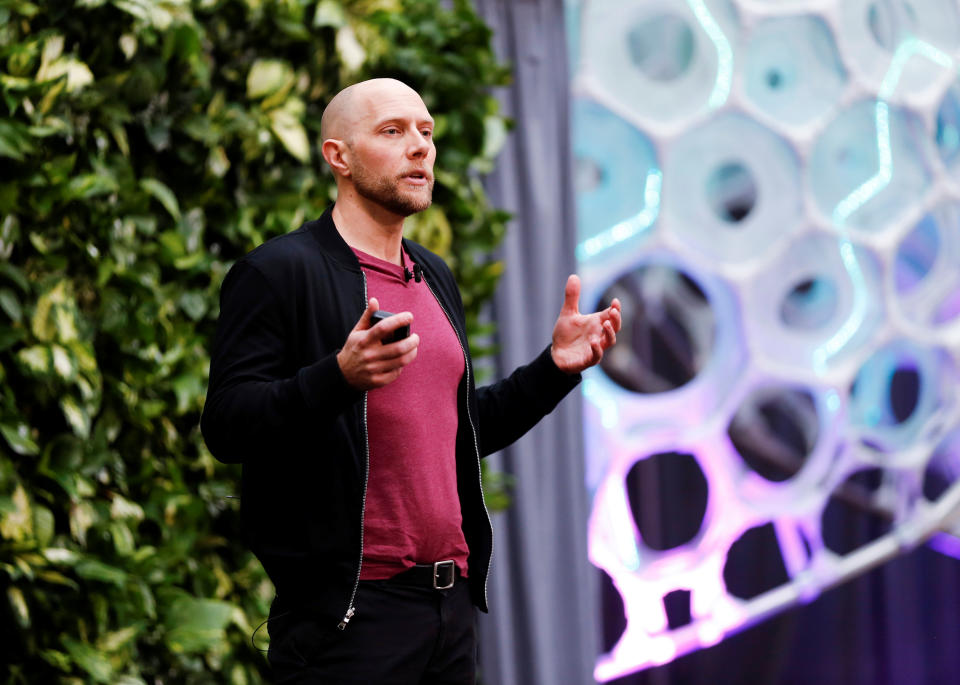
(514, 405)
(257, 401)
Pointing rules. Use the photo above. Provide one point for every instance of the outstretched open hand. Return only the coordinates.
(579, 340)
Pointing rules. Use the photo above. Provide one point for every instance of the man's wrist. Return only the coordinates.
(558, 365)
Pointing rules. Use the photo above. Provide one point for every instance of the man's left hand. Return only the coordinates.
(579, 340)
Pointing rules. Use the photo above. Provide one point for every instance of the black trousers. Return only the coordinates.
(399, 635)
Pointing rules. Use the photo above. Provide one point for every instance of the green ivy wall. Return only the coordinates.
(144, 146)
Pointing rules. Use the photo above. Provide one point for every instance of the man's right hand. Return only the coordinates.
(365, 361)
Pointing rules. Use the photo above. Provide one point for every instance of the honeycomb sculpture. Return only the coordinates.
(772, 189)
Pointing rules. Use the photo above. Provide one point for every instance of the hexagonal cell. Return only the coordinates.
(947, 135)
(612, 163)
(896, 393)
(676, 604)
(731, 189)
(793, 72)
(810, 304)
(774, 430)
(853, 517)
(754, 563)
(926, 278)
(668, 499)
(849, 184)
(659, 59)
(668, 330)
(873, 30)
(817, 302)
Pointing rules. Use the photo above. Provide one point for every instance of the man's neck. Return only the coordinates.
(368, 227)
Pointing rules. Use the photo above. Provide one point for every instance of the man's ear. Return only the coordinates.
(335, 152)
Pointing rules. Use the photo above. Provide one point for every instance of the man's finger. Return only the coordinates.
(388, 365)
(616, 314)
(615, 318)
(400, 348)
(596, 348)
(383, 328)
(571, 295)
(609, 335)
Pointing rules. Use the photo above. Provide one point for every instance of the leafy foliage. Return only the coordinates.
(144, 146)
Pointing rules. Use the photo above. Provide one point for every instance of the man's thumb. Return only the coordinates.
(365, 318)
(571, 295)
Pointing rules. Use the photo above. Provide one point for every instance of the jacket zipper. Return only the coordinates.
(351, 609)
(473, 432)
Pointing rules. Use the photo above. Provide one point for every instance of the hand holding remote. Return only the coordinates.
(369, 359)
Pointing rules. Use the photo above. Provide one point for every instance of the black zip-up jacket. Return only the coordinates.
(279, 404)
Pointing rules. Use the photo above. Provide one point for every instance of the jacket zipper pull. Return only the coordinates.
(346, 619)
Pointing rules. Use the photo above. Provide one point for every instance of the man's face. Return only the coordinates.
(392, 152)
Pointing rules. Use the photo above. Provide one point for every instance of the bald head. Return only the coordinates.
(378, 141)
(353, 103)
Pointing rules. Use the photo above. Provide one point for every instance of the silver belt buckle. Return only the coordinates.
(444, 571)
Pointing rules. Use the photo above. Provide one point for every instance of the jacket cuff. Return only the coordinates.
(324, 388)
(555, 383)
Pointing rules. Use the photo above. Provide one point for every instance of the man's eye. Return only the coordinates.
(426, 133)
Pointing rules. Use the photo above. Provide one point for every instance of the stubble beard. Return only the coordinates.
(386, 192)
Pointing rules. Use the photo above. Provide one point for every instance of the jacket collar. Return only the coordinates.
(325, 232)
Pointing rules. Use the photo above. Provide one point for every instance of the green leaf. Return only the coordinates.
(61, 555)
(123, 542)
(268, 76)
(329, 13)
(43, 525)
(188, 388)
(91, 569)
(36, 359)
(11, 272)
(173, 244)
(291, 133)
(162, 193)
(89, 658)
(10, 304)
(195, 625)
(349, 48)
(19, 606)
(62, 363)
(17, 523)
(14, 140)
(18, 437)
(494, 135)
(57, 578)
(86, 186)
(57, 659)
(78, 74)
(194, 304)
(76, 416)
(116, 639)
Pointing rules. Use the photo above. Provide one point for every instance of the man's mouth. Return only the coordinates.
(419, 177)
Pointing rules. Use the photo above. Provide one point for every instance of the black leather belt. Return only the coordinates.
(439, 576)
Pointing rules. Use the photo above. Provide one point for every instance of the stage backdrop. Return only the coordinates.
(771, 189)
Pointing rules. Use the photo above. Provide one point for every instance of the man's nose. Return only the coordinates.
(420, 146)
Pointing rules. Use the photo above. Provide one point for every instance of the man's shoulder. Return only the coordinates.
(283, 249)
(286, 254)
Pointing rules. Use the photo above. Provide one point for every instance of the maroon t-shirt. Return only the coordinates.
(412, 513)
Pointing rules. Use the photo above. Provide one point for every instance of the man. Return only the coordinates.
(361, 487)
